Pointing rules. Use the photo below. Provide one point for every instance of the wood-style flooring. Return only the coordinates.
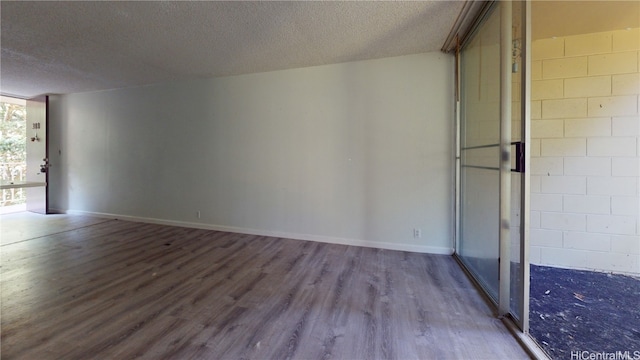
(85, 288)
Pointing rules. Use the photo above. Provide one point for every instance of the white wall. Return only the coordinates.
(586, 151)
(355, 153)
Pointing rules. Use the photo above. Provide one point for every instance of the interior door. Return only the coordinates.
(37, 176)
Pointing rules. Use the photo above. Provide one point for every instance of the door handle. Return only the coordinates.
(519, 156)
(45, 167)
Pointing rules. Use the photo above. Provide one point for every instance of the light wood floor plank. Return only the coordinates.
(84, 288)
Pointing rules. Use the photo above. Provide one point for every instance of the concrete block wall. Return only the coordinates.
(585, 152)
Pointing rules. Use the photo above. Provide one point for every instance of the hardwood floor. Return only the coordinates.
(95, 288)
(23, 226)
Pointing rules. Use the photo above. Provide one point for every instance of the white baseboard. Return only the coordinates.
(279, 234)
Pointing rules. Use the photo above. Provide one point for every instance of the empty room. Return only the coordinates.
(298, 180)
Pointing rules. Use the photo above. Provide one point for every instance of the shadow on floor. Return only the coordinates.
(574, 311)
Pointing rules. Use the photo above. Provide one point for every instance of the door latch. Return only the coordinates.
(45, 167)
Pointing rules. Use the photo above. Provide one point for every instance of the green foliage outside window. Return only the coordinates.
(13, 155)
(12, 133)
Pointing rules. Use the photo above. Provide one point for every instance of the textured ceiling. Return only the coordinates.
(67, 47)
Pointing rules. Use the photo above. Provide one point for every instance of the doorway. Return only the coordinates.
(585, 243)
(583, 220)
(24, 162)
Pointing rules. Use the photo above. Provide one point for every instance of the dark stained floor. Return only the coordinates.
(85, 288)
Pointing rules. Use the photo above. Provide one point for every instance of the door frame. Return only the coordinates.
(38, 189)
(525, 209)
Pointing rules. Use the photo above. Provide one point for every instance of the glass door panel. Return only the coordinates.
(492, 216)
(517, 161)
(480, 106)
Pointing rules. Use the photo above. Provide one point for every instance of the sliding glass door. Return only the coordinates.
(519, 77)
(491, 157)
(478, 244)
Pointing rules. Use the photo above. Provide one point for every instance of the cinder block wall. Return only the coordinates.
(585, 152)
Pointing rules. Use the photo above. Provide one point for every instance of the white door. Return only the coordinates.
(37, 155)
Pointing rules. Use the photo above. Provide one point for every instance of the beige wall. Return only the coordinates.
(585, 151)
(357, 153)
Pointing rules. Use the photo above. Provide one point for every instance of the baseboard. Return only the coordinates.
(286, 235)
(56, 211)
